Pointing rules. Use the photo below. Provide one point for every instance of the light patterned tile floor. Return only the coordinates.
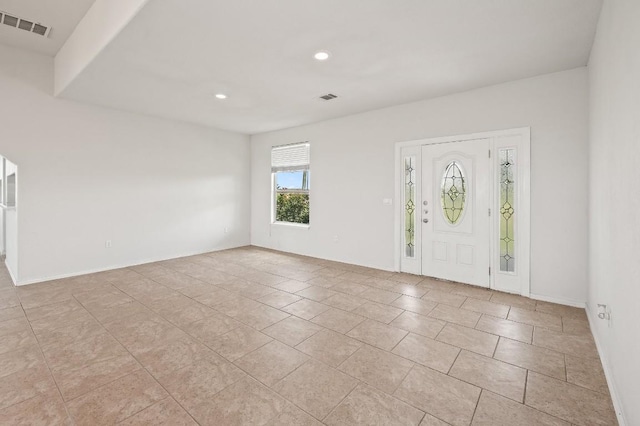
(259, 337)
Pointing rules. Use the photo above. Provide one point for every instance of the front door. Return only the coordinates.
(455, 211)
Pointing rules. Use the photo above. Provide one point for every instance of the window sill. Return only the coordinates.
(291, 225)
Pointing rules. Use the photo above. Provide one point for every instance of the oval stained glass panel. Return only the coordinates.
(453, 192)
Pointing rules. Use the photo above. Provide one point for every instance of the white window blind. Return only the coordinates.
(290, 157)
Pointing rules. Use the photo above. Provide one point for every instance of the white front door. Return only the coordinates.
(454, 214)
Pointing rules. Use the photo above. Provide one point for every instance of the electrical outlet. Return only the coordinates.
(604, 313)
(107, 244)
(226, 229)
(335, 239)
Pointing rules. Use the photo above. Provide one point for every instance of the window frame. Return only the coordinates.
(301, 167)
(6, 202)
(3, 182)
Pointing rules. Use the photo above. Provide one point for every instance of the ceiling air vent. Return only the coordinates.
(328, 96)
(24, 24)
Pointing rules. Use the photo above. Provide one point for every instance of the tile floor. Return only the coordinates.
(257, 337)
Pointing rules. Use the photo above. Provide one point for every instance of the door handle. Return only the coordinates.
(425, 220)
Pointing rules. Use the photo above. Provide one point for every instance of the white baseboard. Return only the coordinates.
(559, 300)
(617, 405)
(118, 266)
(325, 258)
(13, 278)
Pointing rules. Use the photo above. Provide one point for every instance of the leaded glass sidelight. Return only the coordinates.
(410, 205)
(453, 192)
(507, 210)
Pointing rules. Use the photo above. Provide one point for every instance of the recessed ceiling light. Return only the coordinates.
(322, 55)
(221, 96)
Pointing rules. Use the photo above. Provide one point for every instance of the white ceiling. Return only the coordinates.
(61, 15)
(175, 55)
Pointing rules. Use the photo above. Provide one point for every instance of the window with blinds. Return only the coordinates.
(291, 180)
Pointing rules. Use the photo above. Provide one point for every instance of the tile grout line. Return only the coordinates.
(475, 409)
(169, 396)
(535, 371)
(293, 371)
(399, 341)
(439, 332)
(307, 338)
(453, 363)
(386, 304)
(508, 398)
(66, 409)
(495, 349)
(410, 403)
(530, 407)
(142, 367)
(400, 382)
(342, 400)
(524, 394)
(231, 362)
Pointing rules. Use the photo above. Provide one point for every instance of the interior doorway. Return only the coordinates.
(464, 209)
(9, 215)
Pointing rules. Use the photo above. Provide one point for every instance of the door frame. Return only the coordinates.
(519, 138)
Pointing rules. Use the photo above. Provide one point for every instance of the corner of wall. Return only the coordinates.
(604, 359)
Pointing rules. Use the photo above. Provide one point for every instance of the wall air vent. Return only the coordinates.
(24, 24)
(328, 97)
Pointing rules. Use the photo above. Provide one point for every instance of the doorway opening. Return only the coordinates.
(8, 215)
(463, 210)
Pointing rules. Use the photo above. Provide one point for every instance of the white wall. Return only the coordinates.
(614, 225)
(155, 188)
(352, 170)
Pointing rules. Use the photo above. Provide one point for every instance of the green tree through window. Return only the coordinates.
(292, 196)
(292, 208)
(291, 180)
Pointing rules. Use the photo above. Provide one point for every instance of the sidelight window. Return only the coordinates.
(507, 210)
